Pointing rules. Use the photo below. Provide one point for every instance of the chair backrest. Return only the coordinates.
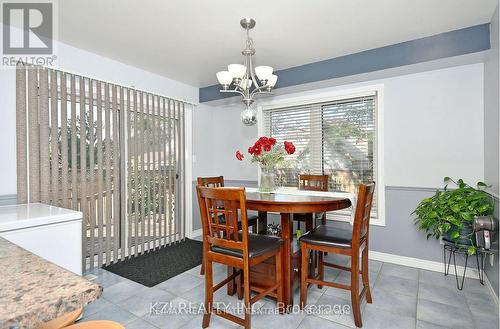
(362, 215)
(211, 181)
(223, 233)
(313, 182)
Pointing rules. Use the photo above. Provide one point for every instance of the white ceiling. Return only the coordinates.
(190, 40)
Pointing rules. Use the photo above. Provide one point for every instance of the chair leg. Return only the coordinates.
(303, 275)
(202, 270)
(246, 292)
(321, 268)
(209, 294)
(239, 286)
(254, 229)
(356, 309)
(279, 290)
(231, 285)
(364, 273)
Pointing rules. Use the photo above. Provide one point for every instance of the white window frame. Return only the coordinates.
(331, 96)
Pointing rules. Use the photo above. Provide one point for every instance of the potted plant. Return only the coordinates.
(450, 212)
(269, 155)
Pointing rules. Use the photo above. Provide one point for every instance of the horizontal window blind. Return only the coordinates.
(336, 138)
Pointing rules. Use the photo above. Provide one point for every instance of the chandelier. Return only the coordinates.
(241, 78)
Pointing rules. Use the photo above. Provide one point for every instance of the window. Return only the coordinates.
(337, 137)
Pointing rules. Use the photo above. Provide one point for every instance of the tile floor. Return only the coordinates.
(403, 297)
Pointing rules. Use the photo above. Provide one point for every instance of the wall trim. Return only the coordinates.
(196, 233)
(8, 199)
(449, 44)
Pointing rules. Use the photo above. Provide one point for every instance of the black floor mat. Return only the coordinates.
(159, 265)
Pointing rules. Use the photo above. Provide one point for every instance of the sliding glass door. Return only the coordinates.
(114, 153)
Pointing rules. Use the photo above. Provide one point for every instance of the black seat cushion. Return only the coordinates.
(252, 220)
(324, 235)
(258, 244)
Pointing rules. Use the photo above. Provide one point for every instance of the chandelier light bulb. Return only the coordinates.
(271, 82)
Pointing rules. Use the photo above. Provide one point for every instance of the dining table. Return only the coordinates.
(285, 203)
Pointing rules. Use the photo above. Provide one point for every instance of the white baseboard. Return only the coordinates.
(419, 263)
(196, 233)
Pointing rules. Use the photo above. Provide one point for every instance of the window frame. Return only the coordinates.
(331, 96)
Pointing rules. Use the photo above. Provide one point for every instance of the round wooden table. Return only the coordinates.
(286, 204)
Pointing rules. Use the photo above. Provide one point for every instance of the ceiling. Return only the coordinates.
(190, 40)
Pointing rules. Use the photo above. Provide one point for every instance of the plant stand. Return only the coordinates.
(454, 249)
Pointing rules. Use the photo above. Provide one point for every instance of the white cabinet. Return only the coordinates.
(50, 232)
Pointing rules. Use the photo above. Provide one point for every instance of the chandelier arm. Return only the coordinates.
(232, 91)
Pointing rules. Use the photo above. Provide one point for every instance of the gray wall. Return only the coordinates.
(491, 126)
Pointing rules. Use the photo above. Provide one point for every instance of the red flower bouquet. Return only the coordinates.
(268, 154)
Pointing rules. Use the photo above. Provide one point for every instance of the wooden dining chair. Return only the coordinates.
(218, 181)
(347, 241)
(235, 248)
(311, 183)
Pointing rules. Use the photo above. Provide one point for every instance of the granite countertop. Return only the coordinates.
(34, 290)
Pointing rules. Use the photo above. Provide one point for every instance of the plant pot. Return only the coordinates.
(463, 239)
(267, 181)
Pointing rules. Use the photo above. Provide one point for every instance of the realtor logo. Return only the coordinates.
(28, 33)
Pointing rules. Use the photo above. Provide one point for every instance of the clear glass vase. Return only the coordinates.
(267, 181)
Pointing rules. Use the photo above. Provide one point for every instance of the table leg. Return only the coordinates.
(287, 263)
(262, 222)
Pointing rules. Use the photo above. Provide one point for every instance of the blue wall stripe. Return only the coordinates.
(458, 42)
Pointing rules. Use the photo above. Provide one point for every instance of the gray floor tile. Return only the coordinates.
(216, 322)
(140, 304)
(180, 313)
(483, 321)
(379, 319)
(195, 271)
(112, 313)
(180, 283)
(140, 324)
(95, 306)
(437, 278)
(444, 315)
(341, 313)
(106, 279)
(267, 318)
(314, 322)
(399, 304)
(374, 266)
(408, 273)
(123, 290)
(481, 303)
(449, 295)
(396, 284)
(426, 325)
(197, 294)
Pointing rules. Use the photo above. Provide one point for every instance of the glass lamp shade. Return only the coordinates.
(237, 71)
(271, 82)
(264, 72)
(249, 116)
(224, 78)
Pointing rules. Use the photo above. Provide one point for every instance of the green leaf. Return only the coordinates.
(471, 250)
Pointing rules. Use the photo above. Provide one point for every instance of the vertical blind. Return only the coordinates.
(336, 138)
(113, 152)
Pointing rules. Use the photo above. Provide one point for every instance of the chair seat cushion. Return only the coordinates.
(252, 220)
(303, 217)
(258, 244)
(324, 235)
